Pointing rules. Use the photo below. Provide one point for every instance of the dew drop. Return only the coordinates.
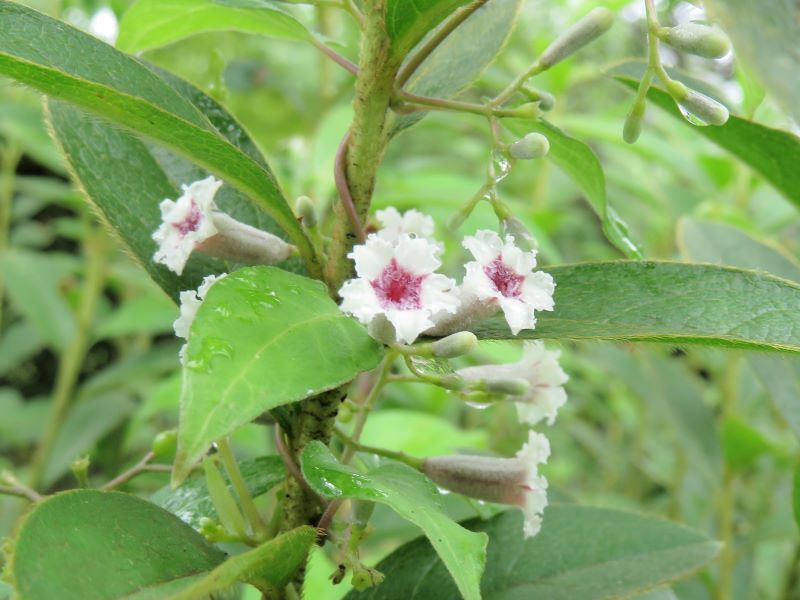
(500, 166)
(691, 117)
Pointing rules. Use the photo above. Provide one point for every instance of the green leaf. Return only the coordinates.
(706, 241)
(191, 502)
(40, 299)
(261, 339)
(773, 153)
(461, 57)
(765, 37)
(581, 164)
(411, 495)
(667, 302)
(796, 496)
(103, 545)
(742, 444)
(51, 57)
(269, 567)
(407, 21)
(581, 552)
(150, 24)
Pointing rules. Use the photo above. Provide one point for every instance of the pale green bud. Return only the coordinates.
(588, 29)
(698, 39)
(533, 145)
(546, 100)
(633, 123)
(530, 110)
(457, 344)
(452, 382)
(165, 444)
(80, 469)
(304, 208)
(512, 386)
(704, 108)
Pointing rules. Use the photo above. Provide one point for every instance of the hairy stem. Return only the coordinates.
(368, 136)
(72, 357)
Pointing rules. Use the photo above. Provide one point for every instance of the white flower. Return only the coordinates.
(412, 223)
(397, 282)
(503, 274)
(190, 303)
(540, 368)
(535, 452)
(186, 223)
(515, 481)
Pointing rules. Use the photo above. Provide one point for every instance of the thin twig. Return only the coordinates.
(130, 473)
(325, 520)
(336, 57)
(340, 177)
(15, 487)
(291, 466)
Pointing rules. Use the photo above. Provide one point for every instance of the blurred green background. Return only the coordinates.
(700, 436)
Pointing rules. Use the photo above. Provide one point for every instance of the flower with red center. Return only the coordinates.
(514, 481)
(540, 368)
(397, 286)
(185, 223)
(502, 274)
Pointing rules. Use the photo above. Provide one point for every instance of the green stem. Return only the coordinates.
(72, 357)
(8, 170)
(433, 42)
(368, 136)
(512, 87)
(139, 467)
(359, 447)
(486, 110)
(369, 402)
(257, 525)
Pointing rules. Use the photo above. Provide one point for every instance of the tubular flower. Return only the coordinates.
(502, 274)
(186, 223)
(190, 303)
(514, 481)
(397, 286)
(412, 223)
(540, 368)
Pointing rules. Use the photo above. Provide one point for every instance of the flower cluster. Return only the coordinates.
(397, 282)
(399, 296)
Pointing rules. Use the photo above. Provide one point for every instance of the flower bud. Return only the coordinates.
(533, 145)
(245, 244)
(704, 108)
(546, 100)
(633, 123)
(165, 444)
(304, 208)
(452, 382)
(457, 344)
(698, 39)
(509, 386)
(588, 29)
(80, 469)
(529, 110)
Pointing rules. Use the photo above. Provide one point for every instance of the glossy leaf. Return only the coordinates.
(667, 302)
(407, 21)
(261, 339)
(412, 496)
(149, 24)
(461, 57)
(581, 164)
(50, 56)
(191, 502)
(581, 552)
(76, 544)
(773, 153)
(765, 37)
(706, 241)
(269, 567)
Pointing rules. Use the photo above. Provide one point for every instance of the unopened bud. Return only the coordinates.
(457, 344)
(533, 145)
(510, 386)
(704, 108)
(490, 479)
(588, 29)
(80, 469)
(452, 382)
(633, 123)
(698, 39)
(546, 100)
(304, 208)
(529, 110)
(242, 243)
(165, 444)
